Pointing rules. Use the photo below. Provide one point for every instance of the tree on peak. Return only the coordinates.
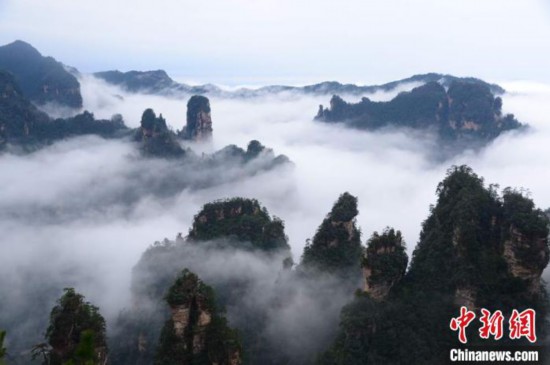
(345, 208)
(197, 332)
(462, 230)
(477, 248)
(385, 262)
(156, 138)
(243, 222)
(336, 247)
(76, 332)
(148, 119)
(254, 149)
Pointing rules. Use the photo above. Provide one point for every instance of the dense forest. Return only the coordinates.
(229, 290)
(196, 301)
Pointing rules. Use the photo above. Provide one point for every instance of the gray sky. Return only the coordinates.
(290, 41)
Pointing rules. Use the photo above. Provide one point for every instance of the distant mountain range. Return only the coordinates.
(468, 110)
(43, 80)
(158, 82)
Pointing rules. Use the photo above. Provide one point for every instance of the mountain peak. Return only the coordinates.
(42, 79)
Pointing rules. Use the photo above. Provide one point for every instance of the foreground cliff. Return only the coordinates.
(222, 234)
(76, 334)
(477, 249)
(196, 332)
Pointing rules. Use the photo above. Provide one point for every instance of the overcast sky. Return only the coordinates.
(290, 41)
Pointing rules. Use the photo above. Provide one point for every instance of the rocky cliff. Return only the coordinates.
(336, 246)
(155, 138)
(199, 120)
(465, 111)
(42, 79)
(196, 332)
(235, 227)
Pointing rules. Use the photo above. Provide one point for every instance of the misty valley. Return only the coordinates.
(147, 221)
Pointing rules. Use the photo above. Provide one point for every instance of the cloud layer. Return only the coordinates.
(64, 222)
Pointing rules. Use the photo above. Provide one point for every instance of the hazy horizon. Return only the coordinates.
(242, 42)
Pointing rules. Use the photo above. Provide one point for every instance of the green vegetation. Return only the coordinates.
(244, 222)
(462, 249)
(468, 110)
(21, 122)
(76, 332)
(42, 79)
(197, 333)
(138, 81)
(386, 258)
(155, 137)
(336, 246)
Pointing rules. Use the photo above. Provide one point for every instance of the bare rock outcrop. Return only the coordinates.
(199, 120)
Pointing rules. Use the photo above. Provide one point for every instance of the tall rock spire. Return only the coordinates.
(199, 120)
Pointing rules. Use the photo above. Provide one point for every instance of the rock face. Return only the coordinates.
(42, 79)
(525, 240)
(384, 264)
(195, 332)
(199, 120)
(468, 110)
(336, 247)
(76, 333)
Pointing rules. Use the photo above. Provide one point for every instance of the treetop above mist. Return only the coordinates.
(336, 246)
(244, 221)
